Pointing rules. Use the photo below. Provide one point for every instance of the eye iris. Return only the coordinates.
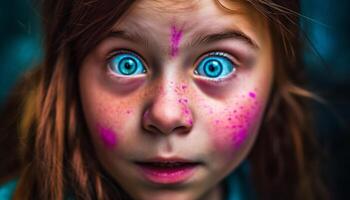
(127, 66)
(212, 68)
(215, 65)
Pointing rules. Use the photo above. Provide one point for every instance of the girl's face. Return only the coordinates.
(174, 96)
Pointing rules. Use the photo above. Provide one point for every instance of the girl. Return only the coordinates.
(163, 100)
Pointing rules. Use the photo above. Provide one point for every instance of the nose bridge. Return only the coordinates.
(165, 114)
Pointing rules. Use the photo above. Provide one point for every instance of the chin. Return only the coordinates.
(163, 194)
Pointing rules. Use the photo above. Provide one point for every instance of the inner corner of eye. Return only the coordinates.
(195, 71)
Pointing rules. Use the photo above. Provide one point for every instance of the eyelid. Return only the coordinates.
(120, 51)
(224, 54)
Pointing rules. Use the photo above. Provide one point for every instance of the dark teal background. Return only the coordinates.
(327, 24)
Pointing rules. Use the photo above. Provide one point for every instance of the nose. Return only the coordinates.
(167, 113)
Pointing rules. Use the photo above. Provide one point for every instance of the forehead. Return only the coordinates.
(191, 13)
(152, 22)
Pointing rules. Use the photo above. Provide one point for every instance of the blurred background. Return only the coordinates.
(326, 24)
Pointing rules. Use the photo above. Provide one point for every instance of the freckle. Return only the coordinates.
(184, 87)
(180, 100)
(229, 118)
(128, 111)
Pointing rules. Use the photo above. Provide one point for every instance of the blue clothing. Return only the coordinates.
(6, 190)
(237, 185)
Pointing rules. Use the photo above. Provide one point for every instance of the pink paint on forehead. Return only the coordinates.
(108, 137)
(176, 35)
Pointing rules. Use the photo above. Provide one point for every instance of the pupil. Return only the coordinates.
(211, 67)
(127, 66)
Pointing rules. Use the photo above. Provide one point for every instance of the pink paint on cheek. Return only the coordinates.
(240, 135)
(108, 137)
(175, 40)
(245, 120)
(238, 123)
(252, 95)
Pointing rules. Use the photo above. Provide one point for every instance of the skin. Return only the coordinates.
(171, 111)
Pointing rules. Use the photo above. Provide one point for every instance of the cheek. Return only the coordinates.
(106, 121)
(236, 125)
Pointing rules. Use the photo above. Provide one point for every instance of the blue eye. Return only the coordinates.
(215, 65)
(126, 63)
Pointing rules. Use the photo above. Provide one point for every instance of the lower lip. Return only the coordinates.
(168, 175)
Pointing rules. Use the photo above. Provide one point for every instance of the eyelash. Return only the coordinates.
(120, 51)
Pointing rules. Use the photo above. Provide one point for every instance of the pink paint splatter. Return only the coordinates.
(187, 111)
(252, 94)
(108, 137)
(190, 122)
(183, 101)
(175, 40)
(241, 135)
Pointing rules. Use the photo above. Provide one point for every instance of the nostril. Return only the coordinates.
(153, 129)
(182, 129)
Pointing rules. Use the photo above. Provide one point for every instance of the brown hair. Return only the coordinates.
(55, 157)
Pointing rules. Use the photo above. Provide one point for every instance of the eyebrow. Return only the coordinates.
(131, 36)
(230, 34)
(198, 40)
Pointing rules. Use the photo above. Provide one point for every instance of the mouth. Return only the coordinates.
(167, 170)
